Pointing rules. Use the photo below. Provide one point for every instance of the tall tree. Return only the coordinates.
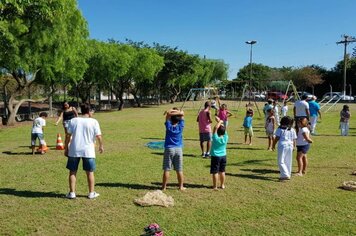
(40, 38)
(305, 77)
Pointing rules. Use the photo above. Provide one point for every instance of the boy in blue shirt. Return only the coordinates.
(218, 154)
(173, 154)
(248, 126)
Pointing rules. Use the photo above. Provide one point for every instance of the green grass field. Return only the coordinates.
(32, 188)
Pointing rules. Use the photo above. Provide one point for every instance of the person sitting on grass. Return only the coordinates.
(218, 154)
(285, 136)
(173, 147)
(37, 132)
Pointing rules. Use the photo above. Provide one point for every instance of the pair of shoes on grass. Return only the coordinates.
(92, 195)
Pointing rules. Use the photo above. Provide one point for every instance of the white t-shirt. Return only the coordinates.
(300, 107)
(37, 125)
(300, 139)
(84, 132)
(286, 136)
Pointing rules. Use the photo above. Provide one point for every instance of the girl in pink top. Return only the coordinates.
(223, 114)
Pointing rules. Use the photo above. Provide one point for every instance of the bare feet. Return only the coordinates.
(182, 188)
(215, 188)
(298, 174)
(222, 187)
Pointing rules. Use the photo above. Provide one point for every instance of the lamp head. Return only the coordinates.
(251, 42)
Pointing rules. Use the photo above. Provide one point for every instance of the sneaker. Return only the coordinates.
(70, 195)
(203, 154)
(93, 195)
(207, 155)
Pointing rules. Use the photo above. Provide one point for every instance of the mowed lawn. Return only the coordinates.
(32, 188)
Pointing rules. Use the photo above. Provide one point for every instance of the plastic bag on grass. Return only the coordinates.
(155, 198)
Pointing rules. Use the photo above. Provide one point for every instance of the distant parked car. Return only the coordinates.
(300, 94)
(337, 95)
(277, 96)
(255, 95)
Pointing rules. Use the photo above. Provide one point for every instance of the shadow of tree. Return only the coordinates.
(29, 194)
(16, 153)
(252, 162)
(127, 185)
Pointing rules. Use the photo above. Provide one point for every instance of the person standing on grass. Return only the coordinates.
(267, 106)
(301, 109)
(284, 109)
(67, 114)
(286, 139)
(83, 133)
(37, 132)
(276, 111)
(218, 154)
(204, 122)
(223, 113)
(269, 126)
(248, 126)
(303, 145)
(314, 109)
(173, 145)
(344, 120)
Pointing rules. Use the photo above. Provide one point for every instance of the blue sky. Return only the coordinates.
(288, 32)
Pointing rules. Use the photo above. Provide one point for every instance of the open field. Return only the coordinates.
(32, 188)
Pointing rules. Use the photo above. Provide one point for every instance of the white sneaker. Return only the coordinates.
(71, 195)
(93, 195)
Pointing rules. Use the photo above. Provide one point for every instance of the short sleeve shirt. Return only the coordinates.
(286, 136)
(218, 146)
(300, 108)
(204, 122)
(37, 125)
(314, 107)
(84, 132)
(174, 134)
(301, 140)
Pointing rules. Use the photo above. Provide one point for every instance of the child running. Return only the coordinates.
(269, 126)
(173, 154)
(37, 132)
(248, 126)
(218, 154)
(344, 120)
(303, 145)
(285, 136)
(223, 113)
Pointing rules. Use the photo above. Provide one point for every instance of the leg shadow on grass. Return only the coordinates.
(262, 171)
(184, 155)
(10, 153)
(127, 185)
(252, 162)
(29, 194)
(187, 185)
(253, 176)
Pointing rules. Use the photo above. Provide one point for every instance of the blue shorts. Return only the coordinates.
(34, 136)
(217, 164)
(88, 164)
(304, 149)
(205, 137)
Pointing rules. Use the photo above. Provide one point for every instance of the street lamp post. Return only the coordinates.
(251, 42)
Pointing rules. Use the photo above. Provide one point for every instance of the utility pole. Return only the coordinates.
(346, 41)
(251, 42)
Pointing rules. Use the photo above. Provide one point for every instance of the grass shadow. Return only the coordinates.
(126, 185)
(262, 171)
(252, 162)
(29, 194)
(187, 185)
(153, 138)
(16, 153)
(245, 148)
(184, 155)
(251, 176)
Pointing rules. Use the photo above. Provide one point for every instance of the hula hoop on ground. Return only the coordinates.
(155, 145)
